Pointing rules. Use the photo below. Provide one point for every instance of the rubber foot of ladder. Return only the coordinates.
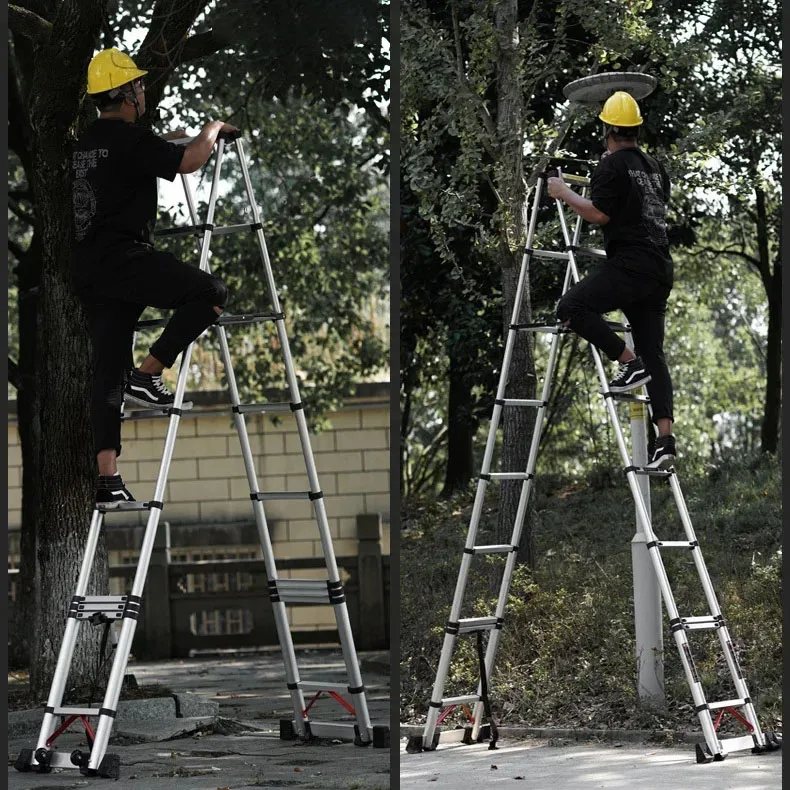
(772, 741)
(288, 731)
(24, 760)
(381, 736)
(109, 768)
(414, 744)
(358, 738)
(43, 758)
(703, 755)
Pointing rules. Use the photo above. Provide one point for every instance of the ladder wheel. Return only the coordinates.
(110, 767)
(44, 758)
(358, 738)
(703, 756)
(24, 760)
(80, 758)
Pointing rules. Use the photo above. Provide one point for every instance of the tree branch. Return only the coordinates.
(28, 24)
(200, 45)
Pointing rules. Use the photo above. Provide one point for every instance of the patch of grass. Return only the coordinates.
(567, 655)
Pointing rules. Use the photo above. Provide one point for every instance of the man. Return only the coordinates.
(117, 271)
(629, 191)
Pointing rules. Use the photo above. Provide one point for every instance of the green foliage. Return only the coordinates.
(567, 653)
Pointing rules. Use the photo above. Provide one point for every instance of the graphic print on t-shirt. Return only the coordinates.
(83, 197)
(654, 212)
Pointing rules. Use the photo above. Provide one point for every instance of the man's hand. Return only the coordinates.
(178, 134)
(556, 187)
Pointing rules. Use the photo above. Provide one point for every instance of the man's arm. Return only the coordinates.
(582, 206)
(199, 150)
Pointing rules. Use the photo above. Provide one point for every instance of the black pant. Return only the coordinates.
(114, 299)
(644, 302)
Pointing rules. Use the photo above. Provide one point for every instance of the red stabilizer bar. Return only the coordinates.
(335, 696)
(737, 715)
(66, 724)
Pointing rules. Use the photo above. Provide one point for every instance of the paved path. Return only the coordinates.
(250, 690)
(533, 765)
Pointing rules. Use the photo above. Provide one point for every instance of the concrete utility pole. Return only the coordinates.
(647, 595)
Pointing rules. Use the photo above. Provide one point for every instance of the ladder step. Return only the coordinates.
(499, 548)
(262, 496)
(644, 470)
(310, 685)
(519, 402)
(557, 328)
(115, 507)
(464, 700)
(737, 744)
(248, 318)
(677, 544)
(727, 703)
(590, 252)
(256, 408)
(507, 476)
(147, 414)
(470, 624)
(306, 591)
(549, 255)
(704, 623)
(76, 711)
(83, 608)
(185, 230)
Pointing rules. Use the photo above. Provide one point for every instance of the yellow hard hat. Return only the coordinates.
(621, 109)
(110, 69)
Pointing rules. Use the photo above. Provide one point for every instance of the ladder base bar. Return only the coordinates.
(414, 744)
(727, 703)
(332, 730)
(463, 700)
(116, 506)
(501, 548)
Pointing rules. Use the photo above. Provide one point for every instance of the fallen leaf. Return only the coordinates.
(494, 767)
(297, 769)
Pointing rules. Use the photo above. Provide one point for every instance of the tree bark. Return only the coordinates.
(517, 423)
(461, 428)
(769, 433)
(58, 458)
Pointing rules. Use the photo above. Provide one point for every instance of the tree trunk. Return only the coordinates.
(461, 428)
(769, 434)
(517, 423)
(61, 456)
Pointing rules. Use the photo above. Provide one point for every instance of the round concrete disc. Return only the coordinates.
(599, 87)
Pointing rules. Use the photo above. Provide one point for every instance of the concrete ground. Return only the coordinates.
(252, 697)
(583, 766)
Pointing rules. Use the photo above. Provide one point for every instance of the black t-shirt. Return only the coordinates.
(115, 165)
(632, 189)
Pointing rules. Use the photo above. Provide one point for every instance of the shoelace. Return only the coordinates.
(160, 385)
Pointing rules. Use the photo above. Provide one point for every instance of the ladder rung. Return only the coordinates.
(255, 408)
(497, 548)
(262, 496)
(549, 329)
(310, 685)
(306, 591)
(470, 624)
(248, 318)
(76, 711)
(627, 396)
(509, 475)
(467, 698)
(581, 181)
(102, 508)
(705, 623)
(737, 744)
(644, 470)
(727, 703)
(147, 414)
(550, 254)
(186, 230)
(521, 402)
(677, 544)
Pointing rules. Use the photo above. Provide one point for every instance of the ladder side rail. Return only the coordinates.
(340, 609)
(278, 608)
(466, 559)
(684, 649)
(66, 652)
(129, 625)
(723, 634)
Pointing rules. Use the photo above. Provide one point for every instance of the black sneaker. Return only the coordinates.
(631, 375)
(663, 455)
(111, 492)
(148, 389)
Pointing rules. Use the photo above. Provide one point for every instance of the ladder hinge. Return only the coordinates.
(132, 609)
(433, 704)
(256, 226)
(292, 686)
(499, 622)
(297, 406)
(700, 708)
(356, 689)
(313, 495)
(485, 477)
(107, 712)
(693, 544)
(653, 544)
(675, 625)
(157, 505)
(451, 627)
(468, 551)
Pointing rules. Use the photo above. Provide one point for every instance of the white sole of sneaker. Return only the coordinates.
(640, 382)
(665, 462)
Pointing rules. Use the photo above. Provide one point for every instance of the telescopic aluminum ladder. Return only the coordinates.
(715, 748)
(282, 592)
